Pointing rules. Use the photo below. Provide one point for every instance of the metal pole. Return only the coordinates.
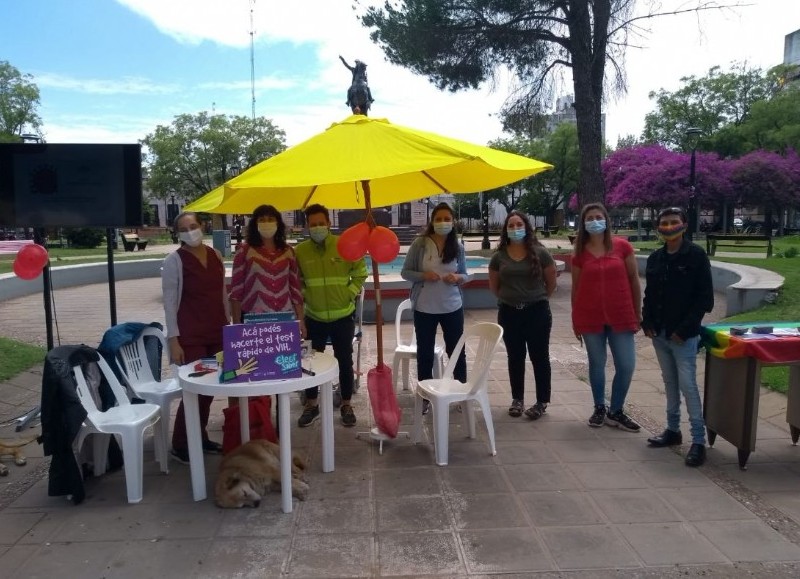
(47, 287)
(692, 199)
(112, 290)
(484, 202)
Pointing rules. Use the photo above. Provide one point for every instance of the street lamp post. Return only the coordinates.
(693, 136)
(484, 203)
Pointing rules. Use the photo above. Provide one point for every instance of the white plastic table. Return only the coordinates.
(325, 369)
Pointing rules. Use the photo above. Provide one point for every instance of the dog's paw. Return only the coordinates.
(300, 490)
(3, 470)
(20, 461)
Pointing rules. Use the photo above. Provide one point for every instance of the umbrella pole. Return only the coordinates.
(376, 280)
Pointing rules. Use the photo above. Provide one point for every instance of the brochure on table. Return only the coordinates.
(268, 350)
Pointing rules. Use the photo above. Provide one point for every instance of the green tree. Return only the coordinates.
(512, 195)
(773, 125)
(460, 44)
(710, 103)
(19, 103)
(552, 189)
(197, 153)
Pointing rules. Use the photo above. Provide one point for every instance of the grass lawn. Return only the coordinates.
(18, 357)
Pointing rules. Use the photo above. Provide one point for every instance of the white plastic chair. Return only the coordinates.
(135, 367)
(447, 390)
(404, 352)
(127, 420)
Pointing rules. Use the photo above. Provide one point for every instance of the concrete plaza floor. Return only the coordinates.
(559, 499)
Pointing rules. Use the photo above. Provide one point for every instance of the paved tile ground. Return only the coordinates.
(559, 499)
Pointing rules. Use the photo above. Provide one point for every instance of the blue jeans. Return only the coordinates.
(624, 354)
(679, 370)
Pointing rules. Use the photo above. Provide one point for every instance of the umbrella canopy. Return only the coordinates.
(399, 163)
(209, 202)
(364, 162)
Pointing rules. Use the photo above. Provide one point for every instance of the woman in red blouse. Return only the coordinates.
(265, 276)
(606, 309)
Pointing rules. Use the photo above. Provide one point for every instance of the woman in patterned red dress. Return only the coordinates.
(265, 276)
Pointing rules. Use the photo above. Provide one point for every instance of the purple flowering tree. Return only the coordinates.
(769, 180)
(653, 176)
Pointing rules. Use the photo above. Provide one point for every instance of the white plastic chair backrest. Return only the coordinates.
(404, 306)
(132, 358)
(489, 335)
(84, 391)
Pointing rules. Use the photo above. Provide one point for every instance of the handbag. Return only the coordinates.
(261, 426)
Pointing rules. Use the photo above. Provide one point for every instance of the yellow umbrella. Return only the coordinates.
(365, 162)
(400, 164)
(208, 203)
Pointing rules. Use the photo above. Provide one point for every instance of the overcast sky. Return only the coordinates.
(111, 71)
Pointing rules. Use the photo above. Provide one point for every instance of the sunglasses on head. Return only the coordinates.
(672, 211)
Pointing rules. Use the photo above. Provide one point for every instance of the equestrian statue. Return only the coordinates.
(359, 97)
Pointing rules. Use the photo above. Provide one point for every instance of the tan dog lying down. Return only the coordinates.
(252, 470)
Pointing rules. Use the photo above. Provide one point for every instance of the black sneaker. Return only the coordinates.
(599, 415)
(211, 447)
(348, 416)
(180, 454)
(309, 415)
(622, 421)
(536, 411)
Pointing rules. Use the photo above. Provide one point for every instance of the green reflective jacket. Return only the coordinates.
(330, 283)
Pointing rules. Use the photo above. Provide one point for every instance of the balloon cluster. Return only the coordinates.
(30, 261)
(381, 242)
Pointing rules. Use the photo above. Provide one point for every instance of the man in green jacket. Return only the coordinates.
(331, 286)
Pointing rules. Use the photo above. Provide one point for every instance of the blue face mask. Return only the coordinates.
(516, 235)
(443, 227)
(318, 233)
(595, 227)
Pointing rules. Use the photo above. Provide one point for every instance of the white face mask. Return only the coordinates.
(443, 227)
(193, 237)
(268, 229)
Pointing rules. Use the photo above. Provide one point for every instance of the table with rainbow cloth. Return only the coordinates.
(733, 379)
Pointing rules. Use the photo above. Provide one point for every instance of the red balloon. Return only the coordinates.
(383, 244)
(352, 244)
(25, 272)
(32, 257)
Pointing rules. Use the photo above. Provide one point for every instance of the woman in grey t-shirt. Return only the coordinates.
(522, 274)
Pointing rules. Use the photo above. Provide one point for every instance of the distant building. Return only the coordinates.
(565, 113)
(791, 55)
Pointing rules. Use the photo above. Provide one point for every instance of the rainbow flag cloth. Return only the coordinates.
(780, 346)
